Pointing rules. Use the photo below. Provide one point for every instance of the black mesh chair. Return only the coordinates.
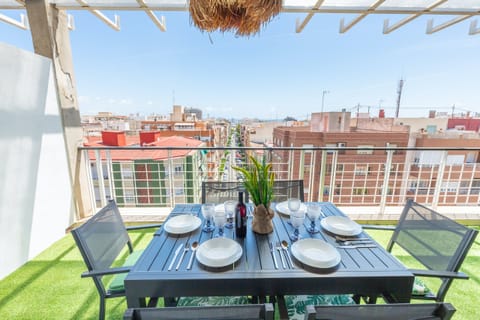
(101, 240)
(396, 311)
(438, 244)
(284, 189)
(221, 191)
(248, 311)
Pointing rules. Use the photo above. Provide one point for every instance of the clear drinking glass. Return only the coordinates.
(296, 218)
(229, 206)
(294, 204)
(220, 218)
(208, 209)
(313, 213)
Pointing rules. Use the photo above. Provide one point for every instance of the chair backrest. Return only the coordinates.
(284, 189)
(246, 311)
(394, 311)
(102, 238)
(221, 191)
(437, 242)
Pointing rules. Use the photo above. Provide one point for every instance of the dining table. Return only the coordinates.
(263, 268)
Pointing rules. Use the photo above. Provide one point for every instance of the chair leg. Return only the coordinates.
(101, 314)
(282, 308)
(152, 303)
(170, 301)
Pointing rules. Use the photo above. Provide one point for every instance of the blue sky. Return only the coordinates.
(274, 74)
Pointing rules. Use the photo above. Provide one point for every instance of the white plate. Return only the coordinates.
(282, 207)
(316, 253)
(342, 226)
(219, 252)
(182, 224)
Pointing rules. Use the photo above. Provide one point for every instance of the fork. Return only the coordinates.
(279, 249)
(270, 244)
(186, 248)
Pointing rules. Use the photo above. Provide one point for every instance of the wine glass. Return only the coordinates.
(313, 213)
(208, 209)
(294, 204)
(220, 218)
(229, 206)
(296, 218)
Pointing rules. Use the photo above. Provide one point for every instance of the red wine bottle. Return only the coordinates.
(241, 217)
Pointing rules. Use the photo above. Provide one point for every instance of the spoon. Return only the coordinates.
(285, 247)
(194, 248)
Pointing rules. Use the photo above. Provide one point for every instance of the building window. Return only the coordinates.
(127, 171)
(431, 129)
(361, 170)
(338, 189)
(178, 169)
(326, 190)
(421, 187)
(449, 186)
(359, 191)
(328, 168)
(475, 189)
(455, 159)
(365, 151)
(129, 196)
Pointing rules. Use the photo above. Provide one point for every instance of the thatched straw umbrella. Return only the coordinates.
(245, 17)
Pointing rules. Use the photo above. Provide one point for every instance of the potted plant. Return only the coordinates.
(258, 179)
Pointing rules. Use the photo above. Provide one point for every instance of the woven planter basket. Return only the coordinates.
(244, 17)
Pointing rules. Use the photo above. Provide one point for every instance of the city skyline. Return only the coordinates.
(272, 75)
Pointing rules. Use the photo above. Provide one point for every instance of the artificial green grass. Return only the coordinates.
(50, 287)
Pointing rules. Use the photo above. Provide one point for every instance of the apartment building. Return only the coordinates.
(144, 176)
(350, 176)
(358, 175)
(447, 178)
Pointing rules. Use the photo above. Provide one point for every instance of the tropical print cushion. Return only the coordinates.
(420, 288)
(296, 304)
(211, 301)
(117, 281)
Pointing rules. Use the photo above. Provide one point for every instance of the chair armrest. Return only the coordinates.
(377, 227)
(439, 274)
(144, 226)
(105, 272)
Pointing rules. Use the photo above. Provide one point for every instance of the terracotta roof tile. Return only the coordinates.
(146, 152)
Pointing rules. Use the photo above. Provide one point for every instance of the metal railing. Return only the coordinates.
(346, 176)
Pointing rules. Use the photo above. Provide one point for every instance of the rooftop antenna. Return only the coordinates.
(173, 97)
(399, 96)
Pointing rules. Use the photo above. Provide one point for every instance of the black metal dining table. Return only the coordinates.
(367, 271)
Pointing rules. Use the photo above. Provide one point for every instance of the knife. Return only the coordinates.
(182, 256)
(357, 246)
(175, 256)
(273, 254)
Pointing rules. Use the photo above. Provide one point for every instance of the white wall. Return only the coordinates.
(35, 191)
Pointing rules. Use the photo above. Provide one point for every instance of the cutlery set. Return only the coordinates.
(354, 242)
(187, 247)
(285, 257)
(281, 247)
